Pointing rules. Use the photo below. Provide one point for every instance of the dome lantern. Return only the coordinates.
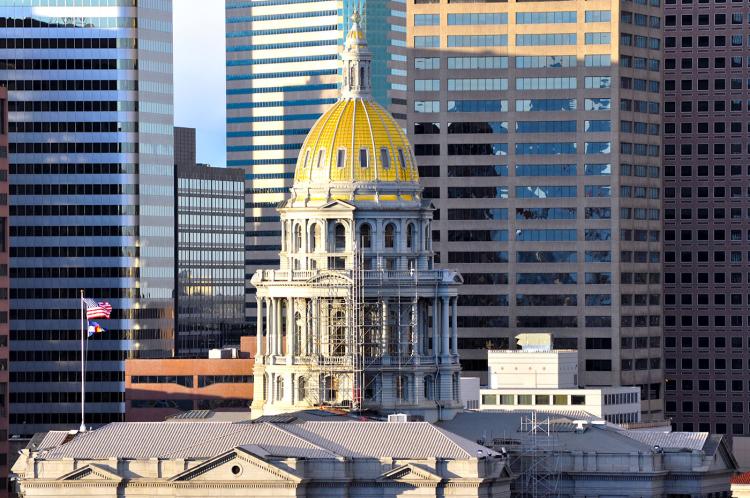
(357, 62)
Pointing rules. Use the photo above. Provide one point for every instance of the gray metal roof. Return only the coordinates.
(670, 440)
(605, 438)
(199, 439)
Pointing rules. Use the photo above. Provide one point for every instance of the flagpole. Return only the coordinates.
(83, 368)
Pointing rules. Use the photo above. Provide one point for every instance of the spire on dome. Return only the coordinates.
(357, 62)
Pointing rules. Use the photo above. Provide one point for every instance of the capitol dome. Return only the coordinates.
(356, 150)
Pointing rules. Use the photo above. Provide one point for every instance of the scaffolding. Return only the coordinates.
(358, 333)
(540, 464)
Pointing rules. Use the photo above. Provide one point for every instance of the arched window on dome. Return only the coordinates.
(321, 157)
(361, 76)
(402, 158)
(426, 238)
(265, 387)
(363, 159)
(390, 236)
(410, 236)
(297, 238)
(339, 238)
(307, 159)
(385, 158)
(365, 236)
(341, 158)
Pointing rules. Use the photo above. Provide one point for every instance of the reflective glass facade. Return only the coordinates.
(210, 259)
(518, 131)
(91, 198)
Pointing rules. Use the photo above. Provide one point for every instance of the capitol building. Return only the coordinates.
(356, 316)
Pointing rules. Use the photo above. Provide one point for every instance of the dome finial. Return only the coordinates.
(357, 62)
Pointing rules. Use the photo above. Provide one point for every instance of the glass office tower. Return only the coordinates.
(537, 129)
(210, 253)
(91, 173)
(282, 73)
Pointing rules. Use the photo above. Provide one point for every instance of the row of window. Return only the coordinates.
(702, 299)
(537, 148)
(527, 62)
(705, 41)
(686, 321)
(702, 106)
(735, 62)
(702, 278)
(702, 84)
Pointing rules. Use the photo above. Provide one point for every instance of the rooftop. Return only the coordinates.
(200, 439)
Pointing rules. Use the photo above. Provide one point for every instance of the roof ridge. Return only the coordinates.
(444, 434)
(204, 441)
(296, 436)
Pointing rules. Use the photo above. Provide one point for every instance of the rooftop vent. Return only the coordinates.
(398, 417)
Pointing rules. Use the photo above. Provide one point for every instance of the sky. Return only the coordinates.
(199, 75)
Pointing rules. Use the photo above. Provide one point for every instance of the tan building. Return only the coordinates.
(536, 127)
(199, 459)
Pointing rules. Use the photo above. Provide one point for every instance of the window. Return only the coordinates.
(340, 237)
(410, 236)
(402, 158)
(385, 158)
(301, 389)
(341, 158)
(390, 236)
(363, 158)
(365, 236)
(321, 156)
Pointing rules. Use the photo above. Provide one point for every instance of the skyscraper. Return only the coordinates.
(4, 291)
(282, 73)
(537, 128)
(706, 213)
(184, 146)
(91, 173)
(210, 273)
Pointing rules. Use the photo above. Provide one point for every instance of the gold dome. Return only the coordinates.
(356, 140)
(356, 146)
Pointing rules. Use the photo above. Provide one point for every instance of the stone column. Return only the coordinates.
(259, 327)
(454, 325)
(315, 339)
(435, 327)
(290, 326)
(271, 334)
(279, 332)
(445, 334)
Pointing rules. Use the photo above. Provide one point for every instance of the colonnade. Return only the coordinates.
(280, 332)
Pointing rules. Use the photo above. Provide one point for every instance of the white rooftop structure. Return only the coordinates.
(538, 377)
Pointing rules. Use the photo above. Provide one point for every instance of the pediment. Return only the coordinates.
(330, 278)
(338, 204)
(238, 464)
(91, 472)
(409, 473)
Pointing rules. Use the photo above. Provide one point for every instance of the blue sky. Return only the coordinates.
(199, 85)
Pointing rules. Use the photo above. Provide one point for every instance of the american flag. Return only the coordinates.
(97, 310)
